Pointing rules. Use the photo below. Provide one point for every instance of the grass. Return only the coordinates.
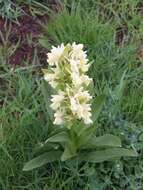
(117, 71)
(12, 10)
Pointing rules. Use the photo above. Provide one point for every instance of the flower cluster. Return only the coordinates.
(67, 75)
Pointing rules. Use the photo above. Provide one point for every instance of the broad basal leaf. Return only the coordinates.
(42, 159)
(105, 155)
(60, 137)
(103, 141)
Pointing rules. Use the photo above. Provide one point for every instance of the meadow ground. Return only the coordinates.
(112, 32)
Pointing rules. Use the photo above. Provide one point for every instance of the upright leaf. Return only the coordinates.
(85, 136)
(120, 87)
(67, 154)
(97, 106)
(47, 91)
(69, 151)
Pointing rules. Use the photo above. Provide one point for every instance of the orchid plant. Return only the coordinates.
(75, 112)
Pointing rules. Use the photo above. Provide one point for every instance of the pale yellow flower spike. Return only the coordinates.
(67, 75)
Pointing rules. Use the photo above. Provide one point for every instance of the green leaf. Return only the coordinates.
(103, 141)
(85, 136)
(68, 153)
(70, 147)
(118, 92)
(42, 159)
(60, 137)
(46, 147)
(141, 136)
(47, 91)
(106, 155)
(97, 106)
(44, 42)
(91, 88)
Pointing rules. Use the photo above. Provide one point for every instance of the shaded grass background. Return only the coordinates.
(117, 72)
